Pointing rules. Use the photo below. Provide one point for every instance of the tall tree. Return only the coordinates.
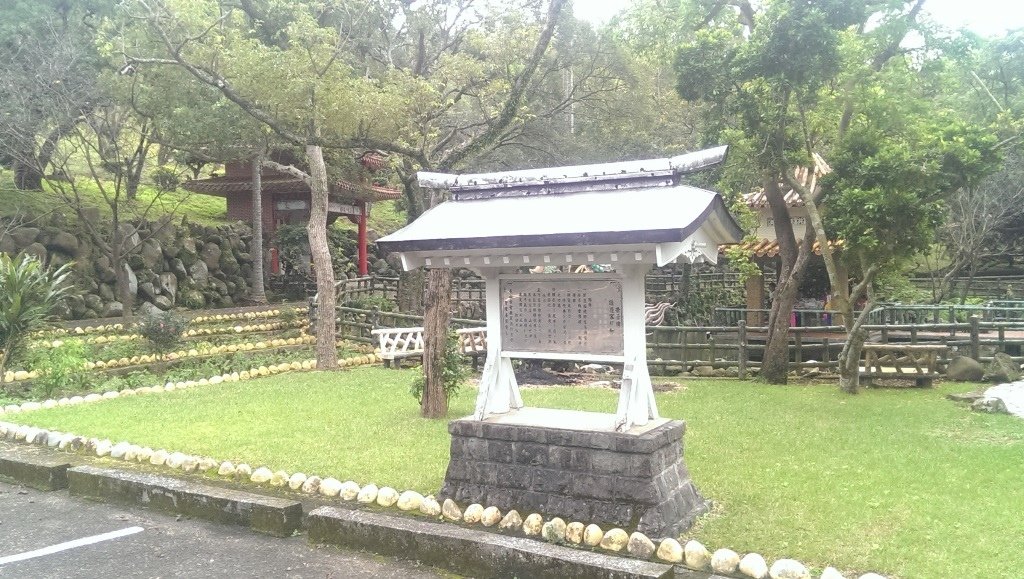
(797, 81)
(322, 103)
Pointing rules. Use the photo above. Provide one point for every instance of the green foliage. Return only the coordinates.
(453, 371)
(369, 302)
(162, 331)
(886, 192)
(292, 242)
(893, 285)
(29, 293)
(61, 369)
(165, 178)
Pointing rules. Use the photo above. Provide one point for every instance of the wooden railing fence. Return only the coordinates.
(740, 347)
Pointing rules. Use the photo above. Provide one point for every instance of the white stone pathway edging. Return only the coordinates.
(693, 555)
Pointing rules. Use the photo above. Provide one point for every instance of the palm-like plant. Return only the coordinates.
(29, 292)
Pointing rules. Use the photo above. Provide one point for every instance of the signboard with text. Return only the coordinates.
(577, 314)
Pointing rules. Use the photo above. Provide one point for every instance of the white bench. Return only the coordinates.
(398, 343)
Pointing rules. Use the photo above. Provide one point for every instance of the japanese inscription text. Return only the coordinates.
(581, 315)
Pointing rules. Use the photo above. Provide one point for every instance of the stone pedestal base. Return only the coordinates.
(574, 465)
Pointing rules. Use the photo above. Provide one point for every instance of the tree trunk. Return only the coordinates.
(259, 294)
(849, 360)
(435, 332)
(316, 229)
(775, 360)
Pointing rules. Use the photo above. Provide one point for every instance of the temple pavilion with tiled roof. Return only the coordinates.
(286, 198)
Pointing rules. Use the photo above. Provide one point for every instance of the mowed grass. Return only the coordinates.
(902, 482)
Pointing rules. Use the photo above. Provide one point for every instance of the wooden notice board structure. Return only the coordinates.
(628, 215)
(625, 469)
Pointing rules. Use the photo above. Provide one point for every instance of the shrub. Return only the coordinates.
(163, 331)
(29, 293)
(453, 373)
(61, 368)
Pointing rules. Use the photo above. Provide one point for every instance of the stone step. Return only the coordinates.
(30, 469)
(271, 515)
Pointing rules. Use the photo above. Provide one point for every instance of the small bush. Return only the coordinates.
(162, 331)
(61, 369)
(165, 178)
(453, 373)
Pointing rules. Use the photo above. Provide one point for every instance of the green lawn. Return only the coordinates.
(902, 482)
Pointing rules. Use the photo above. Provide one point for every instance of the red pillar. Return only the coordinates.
(364, 268)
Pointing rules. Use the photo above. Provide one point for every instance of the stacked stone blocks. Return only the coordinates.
(621, 479)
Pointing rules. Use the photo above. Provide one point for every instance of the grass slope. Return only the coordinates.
(903, 482)
(204, 209)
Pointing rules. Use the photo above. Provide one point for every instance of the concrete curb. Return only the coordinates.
(274, 516)
(37, 472)
(472, 552)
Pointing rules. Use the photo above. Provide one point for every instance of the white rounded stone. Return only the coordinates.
(227, 468)
(243, 471)
(330, 487)
(103, 448)
(788, 569)
(119, 450)
(175, 460)
(473, 513)
(279, 479)
(50, 404)
(430, 507)
(295, 481)
(53, 438)
(92, 398)
(409, 501)
(533, 524)
(670, 551)
(696, 555)
(450, 510)
(261, 475)
(30, 406)
(725, 561)
(387, 496)
(75, 400)
(491, 516)
(753, 565)
(190, 464)
(592, 535)
(145, 453)
(312, 485)
(349, 490)
(159, 458)
(871, 576)
(831, 573)
(111, 394)
(368, 494)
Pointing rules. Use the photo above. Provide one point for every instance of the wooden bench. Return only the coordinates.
(397, 344)
(917, 362)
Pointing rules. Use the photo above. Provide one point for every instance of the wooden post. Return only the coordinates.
(364, 266)
(741, 335)
(755, 299)
(975, 338)
(913, 335)
(798, 343)
(826, 356)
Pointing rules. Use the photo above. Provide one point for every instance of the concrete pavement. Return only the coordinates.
(65, 537)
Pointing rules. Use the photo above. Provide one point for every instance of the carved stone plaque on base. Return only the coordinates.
(581, 470)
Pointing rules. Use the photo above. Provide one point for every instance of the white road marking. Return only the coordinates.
(70, 545)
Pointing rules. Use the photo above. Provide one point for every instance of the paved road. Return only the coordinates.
(100, 540)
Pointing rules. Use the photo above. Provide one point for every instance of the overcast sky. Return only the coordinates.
(986, 17)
